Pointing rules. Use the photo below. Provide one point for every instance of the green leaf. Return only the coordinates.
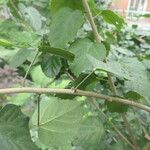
(81, 49)
(91, 79)
(20, 98)
(59, 121)
(56, 51)
(14, 129)
(38, 76)
(93, 7)
(64, 27)
(5, 43)
(129, 68)
(115, 67)
(34, 18)
(50, 65)
(112, 18)
(139, 82)
(132, 95)
(116, 107)
(58, 4)
(24, 39)
(20, 57)
(89, 134)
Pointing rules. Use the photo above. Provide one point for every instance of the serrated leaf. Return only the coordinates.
(89, 134)
(58, 4)
(50, 65)
(20, 57)
(129, 68)
(115, 67)
(81, 49)
(64, 27)
(14, 129)
(59, 121)
(113, 18)
(139, 82)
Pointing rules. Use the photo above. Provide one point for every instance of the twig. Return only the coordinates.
(112, 124)
(90, 18)
(141, 123)
(31, 64)
(70, 75)
(76, 87)
(78, 92)
(111, 83)
(130, 132)
(98, 38)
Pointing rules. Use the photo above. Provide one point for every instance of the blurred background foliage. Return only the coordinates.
(25, 24)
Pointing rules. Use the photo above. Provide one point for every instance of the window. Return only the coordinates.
(136, 7)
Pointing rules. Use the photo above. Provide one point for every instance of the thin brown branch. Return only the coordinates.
(141, 124)
(70, 75)
(111, 83)
(90, 19)
(98, 38)
(31, 64)
(133, 139)
(83, 80)
(72, 92)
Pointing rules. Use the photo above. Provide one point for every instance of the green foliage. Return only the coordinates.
(50, 65)
(59, 34)
(20, 57)
(59, 121)
(13, 4)
(146, 15)
(5, 43)
(112, 18)
(66, 22)
(89, 134)
(34, 17)
(58, 4)
(116, 107)
(14, 129)
(81, 49)
(56, 51)
(38, 76)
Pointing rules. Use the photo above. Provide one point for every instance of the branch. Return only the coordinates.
(90, 19)
(133, 139)
(72, 92)
(98, 38)
(31, 64)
